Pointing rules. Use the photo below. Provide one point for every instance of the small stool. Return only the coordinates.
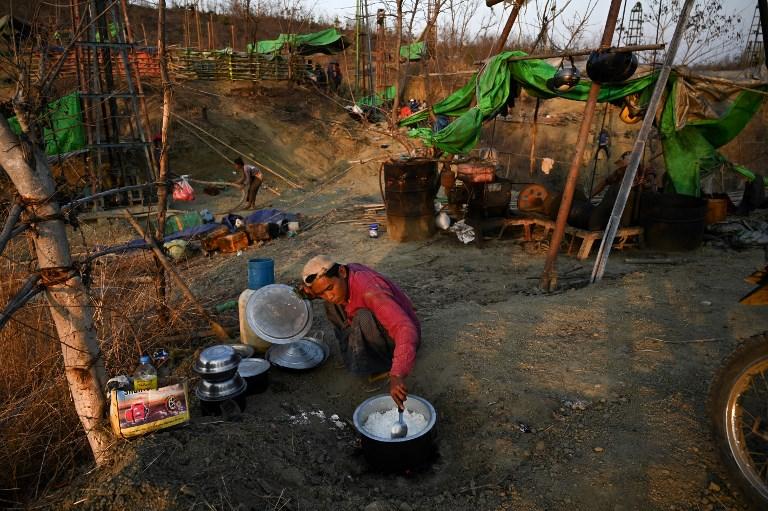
(525, 223)
(588, 238)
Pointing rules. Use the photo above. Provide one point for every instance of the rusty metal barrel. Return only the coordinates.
(410, 187)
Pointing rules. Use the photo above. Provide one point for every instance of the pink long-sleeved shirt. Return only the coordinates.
(391, 307)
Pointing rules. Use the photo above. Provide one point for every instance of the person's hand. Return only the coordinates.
(398, 390)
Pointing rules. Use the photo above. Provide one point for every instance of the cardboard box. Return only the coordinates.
(134, 413)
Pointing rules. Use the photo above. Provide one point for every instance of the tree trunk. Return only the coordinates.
(69, 303)
(162, 190)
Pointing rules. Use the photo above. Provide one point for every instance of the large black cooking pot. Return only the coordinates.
(397, 454)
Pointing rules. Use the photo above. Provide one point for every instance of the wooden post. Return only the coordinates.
(219, 330)
(398, 38)
(639, 147)
(197, 27)
(232, 29)
(508, 27)
(533, 137)
(548, 280)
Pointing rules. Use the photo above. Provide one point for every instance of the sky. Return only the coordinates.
(345, 9)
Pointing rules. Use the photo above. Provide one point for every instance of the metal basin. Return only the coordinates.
(397, 454)
(217, 363)
(277, 314)
(220, 390)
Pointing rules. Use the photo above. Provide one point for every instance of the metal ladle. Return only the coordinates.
(399, 428)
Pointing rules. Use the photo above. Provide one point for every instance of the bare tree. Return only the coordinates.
(711, 32)
(70, 307)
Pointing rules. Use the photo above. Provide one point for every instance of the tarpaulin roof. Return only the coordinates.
(414, 51)
(689, 148)
(63, 125)
(328, 41)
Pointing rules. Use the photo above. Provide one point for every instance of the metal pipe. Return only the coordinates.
(637, 150)
(548, 280)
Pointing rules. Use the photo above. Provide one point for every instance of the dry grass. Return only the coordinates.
(41, 441)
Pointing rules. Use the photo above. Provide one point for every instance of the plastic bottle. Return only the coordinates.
(145, 376)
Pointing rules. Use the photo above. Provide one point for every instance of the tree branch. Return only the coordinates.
(30, 288)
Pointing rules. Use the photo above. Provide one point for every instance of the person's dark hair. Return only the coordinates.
(333, 271)
(239, 161)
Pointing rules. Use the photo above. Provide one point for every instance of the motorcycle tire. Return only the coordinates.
(738, 407)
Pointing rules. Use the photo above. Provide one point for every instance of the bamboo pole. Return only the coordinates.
(219, 330)
(637, 151)
(548, 281)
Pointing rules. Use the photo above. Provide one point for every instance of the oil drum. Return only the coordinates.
(410, 187)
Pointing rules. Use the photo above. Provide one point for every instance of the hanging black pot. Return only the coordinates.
(565, 78)
(605, 67)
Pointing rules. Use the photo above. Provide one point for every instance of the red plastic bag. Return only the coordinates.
(183, 191)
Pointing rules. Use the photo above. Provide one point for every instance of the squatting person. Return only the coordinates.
(374, 321)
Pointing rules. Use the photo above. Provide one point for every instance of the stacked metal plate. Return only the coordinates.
(303, 354)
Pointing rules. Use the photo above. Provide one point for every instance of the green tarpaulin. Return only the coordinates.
(379, 98)
(413, 51)
(491, 91)
(689, 151)
(63, 125)
(328, 41)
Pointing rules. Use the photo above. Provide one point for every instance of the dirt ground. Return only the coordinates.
(610, 380)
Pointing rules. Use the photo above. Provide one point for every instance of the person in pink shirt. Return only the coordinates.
(374, 320)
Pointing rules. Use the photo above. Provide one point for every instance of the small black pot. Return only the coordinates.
(401, 454)
(255, 372)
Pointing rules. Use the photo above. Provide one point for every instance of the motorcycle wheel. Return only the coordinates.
(738, 406)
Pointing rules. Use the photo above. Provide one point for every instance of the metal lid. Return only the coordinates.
(216, 359)
(220, 391)
(244, 350)
(303, 354)
(277, 314)
(252, 367)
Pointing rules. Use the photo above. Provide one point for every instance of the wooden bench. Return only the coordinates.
(625, 237)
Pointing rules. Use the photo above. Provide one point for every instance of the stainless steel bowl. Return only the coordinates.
(220, 390)
(384, 402)
(217, 363)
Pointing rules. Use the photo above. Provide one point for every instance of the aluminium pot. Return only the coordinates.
(397, 454)
(217, 363)
(255, 372)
